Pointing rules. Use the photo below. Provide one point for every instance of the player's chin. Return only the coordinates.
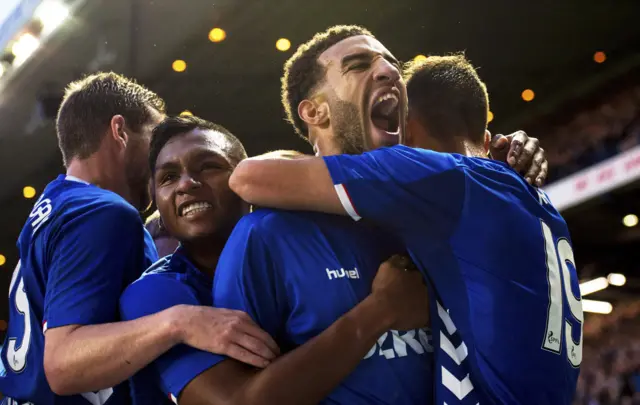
(194, 231)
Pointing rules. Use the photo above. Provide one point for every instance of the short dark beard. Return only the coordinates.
(347, 127)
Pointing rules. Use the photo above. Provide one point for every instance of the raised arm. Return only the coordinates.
(305, 183)
(296, 184)
(309, 373)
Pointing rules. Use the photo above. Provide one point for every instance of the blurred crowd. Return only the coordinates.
(594, 134)
(610, 372)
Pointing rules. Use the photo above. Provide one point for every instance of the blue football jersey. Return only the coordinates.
(296, 273)
(507, 316)
(173, 280)
(80, 247)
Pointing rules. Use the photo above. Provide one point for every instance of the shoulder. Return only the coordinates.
(157, 286)
(493, 169)
(172, 267)
(78, 202)
(444, 161)
(266, 221)
(162, 267)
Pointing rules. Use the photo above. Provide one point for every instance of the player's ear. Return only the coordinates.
(118, 130)
(313, 113)
(487, 141)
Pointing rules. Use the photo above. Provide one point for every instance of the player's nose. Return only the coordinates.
(188, 182)
(385, 71)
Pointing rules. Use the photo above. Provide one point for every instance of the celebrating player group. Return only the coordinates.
(413, 260)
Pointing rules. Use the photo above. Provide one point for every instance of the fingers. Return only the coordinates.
(515, 150)
(533, 173)
(254, 346)
(542, 176)
(499, 147)
(527, 150)
(241, 354)
(530, 148)
(400, 262)
(261, 338)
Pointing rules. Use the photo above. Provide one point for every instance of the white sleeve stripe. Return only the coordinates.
(346, 202)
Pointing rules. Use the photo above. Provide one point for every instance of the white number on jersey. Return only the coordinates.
(17, 358)
(557, 294)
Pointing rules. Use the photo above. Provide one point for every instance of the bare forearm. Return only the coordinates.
(300, 184)
(309, 373)
(95, 357)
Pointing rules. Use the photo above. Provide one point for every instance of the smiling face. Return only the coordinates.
(191, 183)
(365, 93)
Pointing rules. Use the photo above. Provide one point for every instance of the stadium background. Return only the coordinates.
(566, 72)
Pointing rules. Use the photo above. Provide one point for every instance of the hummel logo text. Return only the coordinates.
(342, 273)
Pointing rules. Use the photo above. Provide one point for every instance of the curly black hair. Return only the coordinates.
(302, 72)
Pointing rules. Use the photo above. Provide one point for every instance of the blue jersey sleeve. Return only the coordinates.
(400, 187)
(246, 278)
(153, 293)
(93, 256)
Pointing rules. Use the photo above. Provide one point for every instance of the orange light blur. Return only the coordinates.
(528, 95)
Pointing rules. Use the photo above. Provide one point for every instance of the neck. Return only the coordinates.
(93, 170)
(325, 145)
(473, 150)
(204, 254)
(453, 145)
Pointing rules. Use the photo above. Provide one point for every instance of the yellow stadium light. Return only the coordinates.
(29, 192)
(186, 113)
(599, 57)
(528, 95)
(217, 35)
(489, 117)
(630, 220)
(617, 279)
(179, 65)
(51, 13)
(26, 44)
(3, 260)
(589, 287)
(283, 44)
(420, 58)
(597, 307)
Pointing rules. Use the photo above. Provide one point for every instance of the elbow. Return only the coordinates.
(58, 380)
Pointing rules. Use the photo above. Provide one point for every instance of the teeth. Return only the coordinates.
(386, 108)
(195, 207)
(386, 96)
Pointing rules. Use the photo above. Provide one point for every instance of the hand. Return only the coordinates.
(225, 331)
(524, 154)
(403, 293)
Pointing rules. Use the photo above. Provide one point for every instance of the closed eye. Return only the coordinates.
(359, 66)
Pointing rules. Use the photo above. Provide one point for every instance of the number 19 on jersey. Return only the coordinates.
(559, 290)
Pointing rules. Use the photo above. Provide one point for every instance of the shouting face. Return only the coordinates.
(365, 93)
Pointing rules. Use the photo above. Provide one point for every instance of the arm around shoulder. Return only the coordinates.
(86, 349)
